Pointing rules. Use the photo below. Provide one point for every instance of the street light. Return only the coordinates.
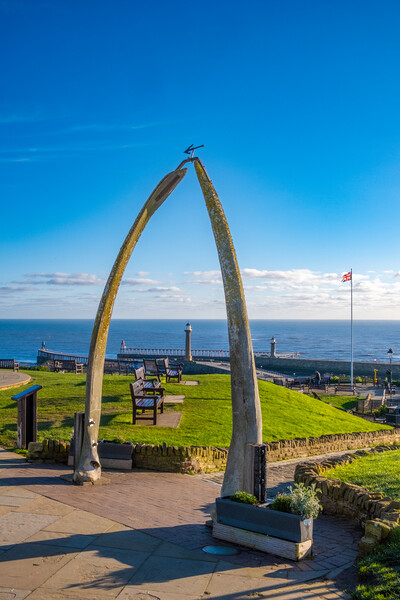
(390, 355)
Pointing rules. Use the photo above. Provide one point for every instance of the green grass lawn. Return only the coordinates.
(377, 473)
(346, 402)
(206, 418)
(380, 573)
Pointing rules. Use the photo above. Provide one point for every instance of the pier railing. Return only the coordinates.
(195, 353)
(44, 355)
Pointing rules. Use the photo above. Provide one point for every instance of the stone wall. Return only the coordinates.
(172, 459)
(308, 366)
(302, 447)
(371, 510)
(49, 451)
(183, 459)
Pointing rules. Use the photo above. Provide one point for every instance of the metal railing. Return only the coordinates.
(44, 355)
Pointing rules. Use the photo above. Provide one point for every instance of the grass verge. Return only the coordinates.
(380, 572)
(377, 473)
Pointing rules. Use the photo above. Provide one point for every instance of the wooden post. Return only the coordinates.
(255, 480)
(27, 416)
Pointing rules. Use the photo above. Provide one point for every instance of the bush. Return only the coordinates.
(381, 412)
(244, 497)
(282, 502)
(334, 379)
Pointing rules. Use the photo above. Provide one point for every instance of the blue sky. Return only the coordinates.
(297, 104)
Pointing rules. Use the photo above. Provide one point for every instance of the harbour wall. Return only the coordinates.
(280, 365)
(286, 366)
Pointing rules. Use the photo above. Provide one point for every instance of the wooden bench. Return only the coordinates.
(116, 366)
(68, 366)
(344, 387)
(152, 368)
(9, 363)
(142, 400)
(172, 372)
(149, 384)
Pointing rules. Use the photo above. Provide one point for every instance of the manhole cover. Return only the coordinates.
(224, 550)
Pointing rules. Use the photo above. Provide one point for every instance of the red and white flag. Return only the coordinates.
(347, 276)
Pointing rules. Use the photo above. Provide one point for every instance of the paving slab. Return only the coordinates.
(13, 594)
(175, 551)
(65, 540)
(174, 399)
(131, 593)
(165, 419)
(225, 585)
(42, 593)
(16, 527)
(31, 564)
(128, 539)
(44, 506)
(17, 491)
(172, 575)
(106, 570)
(81, 522)
(6, 500)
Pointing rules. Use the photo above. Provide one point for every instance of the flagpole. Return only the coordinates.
(351, 312)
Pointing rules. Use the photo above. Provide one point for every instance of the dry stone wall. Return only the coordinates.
(302, 447)
(172, 459)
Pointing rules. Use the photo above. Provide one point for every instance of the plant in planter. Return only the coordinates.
(289, 517)
(301, 500)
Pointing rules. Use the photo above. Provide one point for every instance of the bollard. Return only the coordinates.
(27, 416)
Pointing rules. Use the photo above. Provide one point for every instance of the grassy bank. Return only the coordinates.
(206, 418)
(377, 473)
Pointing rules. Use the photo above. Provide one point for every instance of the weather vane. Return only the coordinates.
(191, 149)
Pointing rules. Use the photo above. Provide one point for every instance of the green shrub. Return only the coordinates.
(244, 497)
(304, 500)
(381, 412)
(282, 502)
(301, 500)
(358, 380)
(334, 379)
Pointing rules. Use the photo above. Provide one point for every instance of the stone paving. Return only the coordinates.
(140, 538)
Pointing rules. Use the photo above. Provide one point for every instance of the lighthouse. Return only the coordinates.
(188, 342)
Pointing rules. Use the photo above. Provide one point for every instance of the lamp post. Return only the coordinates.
(390, 355)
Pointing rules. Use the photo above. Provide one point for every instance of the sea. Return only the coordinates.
(21, 338)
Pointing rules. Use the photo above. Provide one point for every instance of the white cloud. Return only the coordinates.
(63, 279)
(138, 281)
(206, 275)
(164, 289)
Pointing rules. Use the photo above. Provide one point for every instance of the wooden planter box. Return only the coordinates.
(285, 526)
